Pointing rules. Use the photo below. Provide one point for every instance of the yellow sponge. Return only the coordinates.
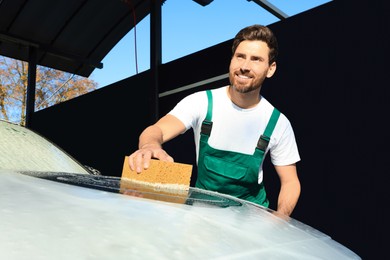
(167, 181)
(160, 172)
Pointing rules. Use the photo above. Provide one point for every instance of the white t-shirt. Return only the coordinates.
(236, 129)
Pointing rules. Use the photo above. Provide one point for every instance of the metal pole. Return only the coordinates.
(155, 54)
(31, 83)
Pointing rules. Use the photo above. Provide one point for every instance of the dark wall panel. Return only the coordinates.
(101, 127)
(331, 83)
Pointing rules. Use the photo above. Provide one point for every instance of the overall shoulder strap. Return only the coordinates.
(265, 137)
(207, 124)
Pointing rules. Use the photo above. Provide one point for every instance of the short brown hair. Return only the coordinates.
(258, 33)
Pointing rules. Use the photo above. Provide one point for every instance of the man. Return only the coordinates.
(234, 128)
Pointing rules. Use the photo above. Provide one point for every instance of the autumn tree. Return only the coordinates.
(52, 87)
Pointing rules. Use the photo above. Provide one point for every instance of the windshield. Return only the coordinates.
(25, 150)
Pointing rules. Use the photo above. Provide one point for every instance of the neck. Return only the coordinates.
(244, 100)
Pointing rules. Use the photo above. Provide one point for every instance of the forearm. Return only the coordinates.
(288, 197)
(152, 136)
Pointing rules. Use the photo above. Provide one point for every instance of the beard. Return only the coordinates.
(244, 87)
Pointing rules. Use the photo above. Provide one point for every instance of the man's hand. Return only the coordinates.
(151, 140)
(140, 159)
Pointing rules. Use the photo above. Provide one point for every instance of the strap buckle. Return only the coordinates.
(206, 127)
(262, 144)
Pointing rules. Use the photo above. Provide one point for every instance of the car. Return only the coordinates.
(54, 207)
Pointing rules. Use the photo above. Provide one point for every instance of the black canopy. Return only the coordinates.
(69, 35)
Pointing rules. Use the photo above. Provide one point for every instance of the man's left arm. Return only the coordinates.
(290, 188)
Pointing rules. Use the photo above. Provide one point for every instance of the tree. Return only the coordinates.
(52, 87)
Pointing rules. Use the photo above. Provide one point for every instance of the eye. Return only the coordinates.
(240, 56)
(257, 59)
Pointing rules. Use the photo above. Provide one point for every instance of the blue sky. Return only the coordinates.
(188, 27)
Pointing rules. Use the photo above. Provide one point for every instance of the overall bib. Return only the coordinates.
(230, 172)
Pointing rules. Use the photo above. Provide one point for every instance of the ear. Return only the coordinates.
(271, 70)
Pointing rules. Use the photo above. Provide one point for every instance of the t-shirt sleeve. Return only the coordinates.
(285, 151)
(191, 109)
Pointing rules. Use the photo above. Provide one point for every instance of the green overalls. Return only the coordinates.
(229, 172)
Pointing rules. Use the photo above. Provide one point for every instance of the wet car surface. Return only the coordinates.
(54, 208)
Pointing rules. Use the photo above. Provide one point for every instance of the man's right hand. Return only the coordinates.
(140, 159)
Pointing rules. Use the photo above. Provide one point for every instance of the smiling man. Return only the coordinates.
(235, 127)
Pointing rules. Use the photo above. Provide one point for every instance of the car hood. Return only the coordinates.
(46, 219)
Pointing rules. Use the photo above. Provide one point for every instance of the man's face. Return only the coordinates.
(249, 66)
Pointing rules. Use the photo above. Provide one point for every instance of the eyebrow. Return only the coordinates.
(251, 56)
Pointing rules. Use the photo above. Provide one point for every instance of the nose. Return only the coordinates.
(245, 65)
